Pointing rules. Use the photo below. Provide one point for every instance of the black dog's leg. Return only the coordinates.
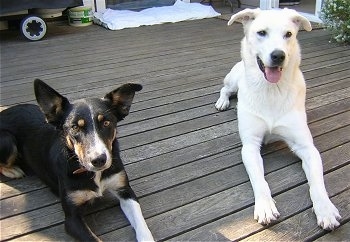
(74, 222)
(132, 211)
(76, 226)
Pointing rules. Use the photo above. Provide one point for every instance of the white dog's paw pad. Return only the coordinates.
(265, 211)
(222, 104)
(12, 172)
(327, 216)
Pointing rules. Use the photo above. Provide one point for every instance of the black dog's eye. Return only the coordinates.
(288, 34)
(75, 128)
(106, 123)
(262, 33)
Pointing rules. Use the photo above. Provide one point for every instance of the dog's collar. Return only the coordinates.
(75, 168)
(79, 170)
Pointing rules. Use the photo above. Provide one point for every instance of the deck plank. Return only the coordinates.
(182, 156)
(302, 225)
(341, 234)
(240, 225)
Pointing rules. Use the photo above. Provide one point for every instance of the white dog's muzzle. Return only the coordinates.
(272, 73)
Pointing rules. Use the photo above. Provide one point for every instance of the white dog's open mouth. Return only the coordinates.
(272, 74)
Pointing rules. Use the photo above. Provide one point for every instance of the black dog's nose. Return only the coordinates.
(99, 161)
(277, 57)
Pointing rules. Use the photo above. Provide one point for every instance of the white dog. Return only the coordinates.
(271, 103)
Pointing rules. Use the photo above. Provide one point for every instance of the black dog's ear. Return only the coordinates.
(52, 104)
(121, 99)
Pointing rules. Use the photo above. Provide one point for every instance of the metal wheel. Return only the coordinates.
(33, 28)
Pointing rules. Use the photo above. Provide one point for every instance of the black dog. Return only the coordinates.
(72, 146)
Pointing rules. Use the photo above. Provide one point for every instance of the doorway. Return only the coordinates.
(308, 8)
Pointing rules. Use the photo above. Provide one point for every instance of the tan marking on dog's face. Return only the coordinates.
(69, 143)
(106, 123)
(79, 151)
(81, 123)
(82, 196)
(109, 142)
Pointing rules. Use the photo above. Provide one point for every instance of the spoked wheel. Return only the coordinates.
(33, 28)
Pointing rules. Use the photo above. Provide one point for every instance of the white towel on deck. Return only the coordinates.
(180, 11)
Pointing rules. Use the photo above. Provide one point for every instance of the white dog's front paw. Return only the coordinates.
(145, 236)
(146, 239)
(265, 211)
(327, 215)
(222, 103)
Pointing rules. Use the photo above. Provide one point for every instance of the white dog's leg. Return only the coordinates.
(327, 214)
(252, 130)
(265, 209)
(132, 211)
(230, 87)
(299, 139)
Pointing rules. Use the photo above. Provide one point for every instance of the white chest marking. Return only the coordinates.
(113, 182)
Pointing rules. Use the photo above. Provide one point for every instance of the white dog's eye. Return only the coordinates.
(262, 33)
(288, 34)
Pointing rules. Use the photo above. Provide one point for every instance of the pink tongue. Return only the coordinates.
(273, 74)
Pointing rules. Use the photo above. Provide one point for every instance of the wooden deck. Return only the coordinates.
(182, 156)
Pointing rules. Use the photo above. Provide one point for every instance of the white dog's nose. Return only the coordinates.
(277, 57)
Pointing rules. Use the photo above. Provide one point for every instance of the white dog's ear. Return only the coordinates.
(244, 16)
(302, 21)
(299, 20)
